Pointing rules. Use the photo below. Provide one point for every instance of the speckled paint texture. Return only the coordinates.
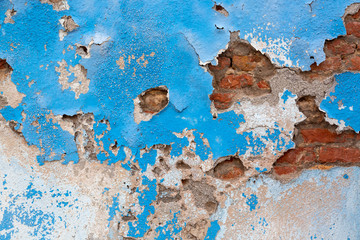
(83, 155)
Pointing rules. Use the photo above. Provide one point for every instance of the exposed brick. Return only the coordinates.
(263, 85)
(330, 63)
(353, 28)
(347, 136)
(353, 63)
(232, 173)
(221, 105)
(339, 47)
(284, 170)
(354, 16)
(341, 154)
(223, 62)
(297, 156)
(229, 169)
(222, 100)
(320, 135)
(236, 81)
(221, 97)
(246, 63)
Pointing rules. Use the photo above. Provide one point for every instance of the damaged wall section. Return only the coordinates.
(147, 125)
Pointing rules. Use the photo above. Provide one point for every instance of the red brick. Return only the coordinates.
(263, 85)
(339, 47)
(357, 137)
(284, 170)
(229, 169)
(341, 154)
(322, 135)
(297, 156)
(330, 63)
(353, 28)
(222, 106)
(221, 97)
(222, 100)
(319, 135)
(353, 63)
(354, 16)
(346, 136)
(232, 173)
(223, 62)
(236, 81)
(246, 63)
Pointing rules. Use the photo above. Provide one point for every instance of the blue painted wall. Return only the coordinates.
(174, 38)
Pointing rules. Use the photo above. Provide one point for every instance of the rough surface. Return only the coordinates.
(186, 120)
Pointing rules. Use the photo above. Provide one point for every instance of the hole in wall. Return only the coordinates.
(220, 9)
(229, 168)
(154, 100)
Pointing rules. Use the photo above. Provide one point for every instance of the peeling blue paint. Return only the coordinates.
(212, 230)
(340, 104)
(286, 95)
(260, 170)
(291, 32)
(170, 229)
(251, 201)
(147, 196)
(113, 208)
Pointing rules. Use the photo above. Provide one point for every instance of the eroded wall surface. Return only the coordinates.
(179, 119)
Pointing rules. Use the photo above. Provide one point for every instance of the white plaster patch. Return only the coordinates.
(277, 49)
(262, 120)
(68, 24)
(121, 63)
(58, 5)
(324, 196)
(8, 90)
(80, 85)
(9, 14)
(52, 204)
(126, 60)
(282, 116)
(339, 123)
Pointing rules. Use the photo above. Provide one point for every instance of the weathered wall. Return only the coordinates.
(179, 119)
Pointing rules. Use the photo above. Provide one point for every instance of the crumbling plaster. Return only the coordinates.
(82, 158)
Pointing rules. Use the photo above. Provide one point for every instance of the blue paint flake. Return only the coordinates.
(113, 208)
(40, 224)
(260, 170)
(212, 230)
(170, 230)
(344, 103)
(286, 95)
(175, 64)
(147, 196)
(251, 201)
